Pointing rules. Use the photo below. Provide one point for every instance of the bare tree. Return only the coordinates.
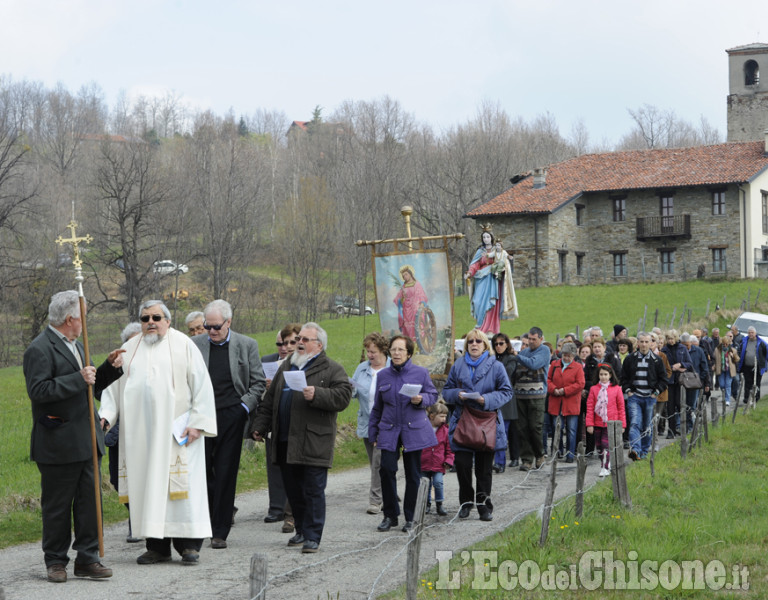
(128, 195)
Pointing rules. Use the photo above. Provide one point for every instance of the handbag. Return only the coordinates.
(476, 429)
(690, 380)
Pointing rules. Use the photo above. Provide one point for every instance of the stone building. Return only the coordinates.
(648, 215)
(747, 92)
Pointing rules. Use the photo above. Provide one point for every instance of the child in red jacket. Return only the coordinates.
(605, 403)
(434, 460)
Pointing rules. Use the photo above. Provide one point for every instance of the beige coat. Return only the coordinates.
(732, 358)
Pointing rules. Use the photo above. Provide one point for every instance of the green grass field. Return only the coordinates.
(708, 507)
(556, 310)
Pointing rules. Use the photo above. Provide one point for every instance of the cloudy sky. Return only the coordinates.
(576, 59)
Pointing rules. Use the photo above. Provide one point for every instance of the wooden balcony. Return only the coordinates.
(677, 226)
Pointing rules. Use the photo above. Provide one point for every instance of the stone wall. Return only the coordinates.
(747, 117)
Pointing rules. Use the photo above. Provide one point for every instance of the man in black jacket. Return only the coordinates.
(57, 383)
(643, 378)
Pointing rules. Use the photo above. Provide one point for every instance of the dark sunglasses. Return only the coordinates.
(474, 341)
(155, 318)
(278, 344)
(500, 343)
(208, 327)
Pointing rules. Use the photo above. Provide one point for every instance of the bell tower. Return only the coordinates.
(747, 93)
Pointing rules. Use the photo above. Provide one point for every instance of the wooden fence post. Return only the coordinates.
(258, 576)
(683, 423)
(547, 513)
(618, 467)
(581, 472)
(654, 436)
(414, 547)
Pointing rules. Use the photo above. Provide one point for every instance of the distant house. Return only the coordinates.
(660, 215)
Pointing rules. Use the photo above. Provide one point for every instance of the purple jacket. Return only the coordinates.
(394, 418)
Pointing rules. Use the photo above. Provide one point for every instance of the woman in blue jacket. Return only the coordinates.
(364, 383)
(477, 371)
(398, 420)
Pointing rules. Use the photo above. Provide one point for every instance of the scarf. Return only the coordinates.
(601, 408)
(473, 364)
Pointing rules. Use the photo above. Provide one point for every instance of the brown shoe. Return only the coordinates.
(218, 543)
(57, 574)
(288, 525)
(94, 571)
(540, 461)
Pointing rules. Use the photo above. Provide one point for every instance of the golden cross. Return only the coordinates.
(74, 240)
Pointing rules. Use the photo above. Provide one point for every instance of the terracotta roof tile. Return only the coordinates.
(633, 170)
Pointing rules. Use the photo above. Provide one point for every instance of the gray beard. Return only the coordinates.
(299, 360)
(152, 338)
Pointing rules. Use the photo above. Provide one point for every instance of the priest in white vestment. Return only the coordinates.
(165, 403)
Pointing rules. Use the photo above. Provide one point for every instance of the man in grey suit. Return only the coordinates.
(238, 384)
(57, 384)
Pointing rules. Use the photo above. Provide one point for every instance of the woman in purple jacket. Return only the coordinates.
(400, 420)
(477, 371)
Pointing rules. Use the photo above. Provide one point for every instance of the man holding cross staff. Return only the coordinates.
(66, 444)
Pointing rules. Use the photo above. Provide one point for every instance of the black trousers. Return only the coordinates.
(277, 497)
(222, 460)
(388, 474)
(482, 493)
(749, 382)
(163, 546)
(67, 494)
(305, 488)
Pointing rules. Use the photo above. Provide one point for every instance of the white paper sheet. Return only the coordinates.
(470, 395)
(296, 380)
(179, 425)
(270, 369)
(410, 389)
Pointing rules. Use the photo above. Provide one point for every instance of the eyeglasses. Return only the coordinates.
(501, 343)
(280, 344)
(218, 327)
(474, 341)
(292, 342)
(306, 339)
(155, 318)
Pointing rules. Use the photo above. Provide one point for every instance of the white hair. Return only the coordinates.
(130, 330)
(222, 307)
(322, 336)
(159, 303)
(63, 304)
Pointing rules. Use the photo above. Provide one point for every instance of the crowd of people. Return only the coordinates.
(177, 407)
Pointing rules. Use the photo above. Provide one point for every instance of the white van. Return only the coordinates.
(751, 319)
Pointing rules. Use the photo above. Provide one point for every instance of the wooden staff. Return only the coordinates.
(78, 264)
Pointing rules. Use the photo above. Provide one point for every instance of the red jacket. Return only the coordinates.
(435, 458)
(615, 406)
(571, 379)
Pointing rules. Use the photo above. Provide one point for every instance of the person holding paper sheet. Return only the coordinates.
(480, 381)
(303, 427)
(165, 378)
(398, 419)
(364, 383)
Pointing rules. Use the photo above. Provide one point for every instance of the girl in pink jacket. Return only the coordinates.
(605, 403)
(434, 460)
